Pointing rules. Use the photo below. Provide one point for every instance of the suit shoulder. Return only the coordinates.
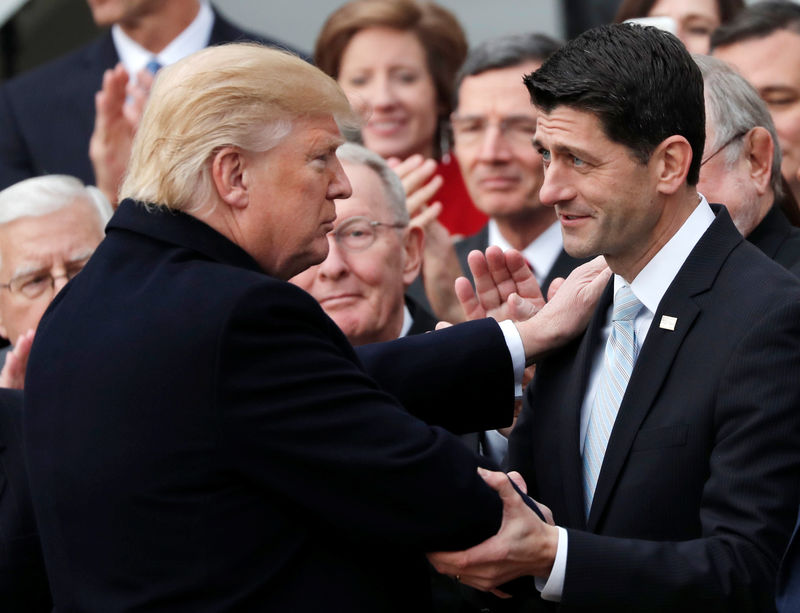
(53, 74)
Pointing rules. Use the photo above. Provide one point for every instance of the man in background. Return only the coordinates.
(47, 115)
(741, 163)
(49, 226)
(493, 124)
(373, 256)
(763, 43)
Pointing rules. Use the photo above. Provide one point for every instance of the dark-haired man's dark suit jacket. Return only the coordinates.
(788, 598)
(212, 442)
(563, 265)
(47, 114)
(778, 239)
(23, 583)
(698, 491)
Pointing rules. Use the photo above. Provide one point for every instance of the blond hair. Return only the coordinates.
(243, 95)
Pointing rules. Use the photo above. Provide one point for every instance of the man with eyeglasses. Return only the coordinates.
(49, 226)
(741, 164)
(373, 256)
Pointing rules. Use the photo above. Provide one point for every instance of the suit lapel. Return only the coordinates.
(570, 417)
(660, 349)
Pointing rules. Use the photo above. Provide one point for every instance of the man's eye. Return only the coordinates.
(578, 161)
(36, 281)
(545, 155)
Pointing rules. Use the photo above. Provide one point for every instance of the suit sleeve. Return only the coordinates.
(300, 416)
(438, 380)
(749, 501)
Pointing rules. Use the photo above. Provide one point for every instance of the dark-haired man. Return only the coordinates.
(666, 440)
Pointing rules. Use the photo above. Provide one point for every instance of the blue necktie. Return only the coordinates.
(620, 356)
(153, 66)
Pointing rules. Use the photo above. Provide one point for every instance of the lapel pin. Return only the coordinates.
(668, 322)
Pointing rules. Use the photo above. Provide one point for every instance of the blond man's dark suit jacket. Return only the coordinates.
(23, 582)
(206, 439)
(698, 491)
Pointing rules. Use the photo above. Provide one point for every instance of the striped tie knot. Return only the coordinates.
(626, 305)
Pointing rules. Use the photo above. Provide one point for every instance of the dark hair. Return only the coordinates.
(504, 52)
(641, 83)
(436, 28)
(756, 21)
(630, 9)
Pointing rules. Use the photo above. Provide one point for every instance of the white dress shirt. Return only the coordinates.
(194, 37)
(649, 287)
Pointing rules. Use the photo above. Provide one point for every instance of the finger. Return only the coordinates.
(520, 309)
(443, 324)
(402, 168)
(555, 284)
(419, 176)
(525, 281)
(485, 285)
(393, 162)
(548, 514)
(519, 481)
(468, 300)
(500, 483)
(427, 216)
(417, 199)
(500, 594)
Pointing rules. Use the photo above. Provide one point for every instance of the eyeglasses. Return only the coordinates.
(472, 130)
(728, 142)
(32, 285)
(359, 233)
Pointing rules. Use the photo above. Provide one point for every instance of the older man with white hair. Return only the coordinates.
(49, 226)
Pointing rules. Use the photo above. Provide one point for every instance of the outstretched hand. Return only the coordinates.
(524, 545)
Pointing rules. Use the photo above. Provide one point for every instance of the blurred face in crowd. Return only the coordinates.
(386, 71)
(108, 12)
(493, 128)
(34, 249)
(695, 20)
(361, 283)
(604, 197)
(291, 190)
(772, 65)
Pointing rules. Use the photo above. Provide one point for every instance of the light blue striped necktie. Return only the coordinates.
(620, 356)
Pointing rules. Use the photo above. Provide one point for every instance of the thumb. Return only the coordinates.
(519, 308)
(499, 482)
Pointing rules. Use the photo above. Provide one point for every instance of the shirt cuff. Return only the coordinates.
(517, 351)
(553, 586)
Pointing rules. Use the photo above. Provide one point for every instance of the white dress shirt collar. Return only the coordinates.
(652, 282)
(407, 321)
(541, 253)
(196, 36)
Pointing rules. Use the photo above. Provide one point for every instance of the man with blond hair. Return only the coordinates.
(231, 450)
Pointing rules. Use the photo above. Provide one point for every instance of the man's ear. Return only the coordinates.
(672, 159)
(412, 254)
(228, 173)
(759, 149)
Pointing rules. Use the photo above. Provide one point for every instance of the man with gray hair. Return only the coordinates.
(49, 226)
(373, 256)
(232, 450)
(493, 124)
(741, 163)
